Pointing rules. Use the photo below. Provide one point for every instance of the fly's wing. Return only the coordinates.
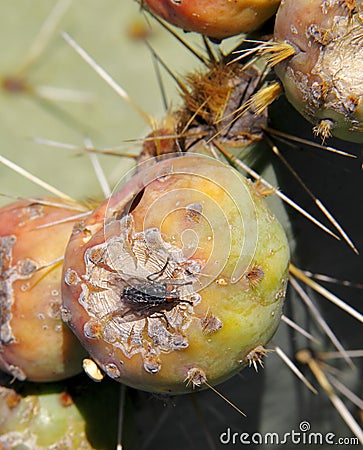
(135, 312)
(123, 281)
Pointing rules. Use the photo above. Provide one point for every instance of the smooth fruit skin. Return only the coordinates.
(218, 238)
(218, 19)
(34, 342)
(323, 79)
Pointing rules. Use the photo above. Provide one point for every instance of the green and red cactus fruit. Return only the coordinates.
(323, 77)
(174, 281)
(217, 19)
(40, 421)
(34, 342)
(59, 416)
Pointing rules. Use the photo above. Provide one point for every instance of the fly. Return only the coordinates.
(149, 297)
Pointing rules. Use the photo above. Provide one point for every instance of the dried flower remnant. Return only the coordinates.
(225, 104)
(218, 104)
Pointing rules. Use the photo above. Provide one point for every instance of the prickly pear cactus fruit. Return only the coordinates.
(217, 19)
(323, 77)
(175, 281)
(34, 343)
(57, 416)
(25, 423)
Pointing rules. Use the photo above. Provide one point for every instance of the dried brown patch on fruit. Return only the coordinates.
(139, 313)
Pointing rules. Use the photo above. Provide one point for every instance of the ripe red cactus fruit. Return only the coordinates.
(172, 283)
(217, 19)
(322, 79)
(34, 342)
